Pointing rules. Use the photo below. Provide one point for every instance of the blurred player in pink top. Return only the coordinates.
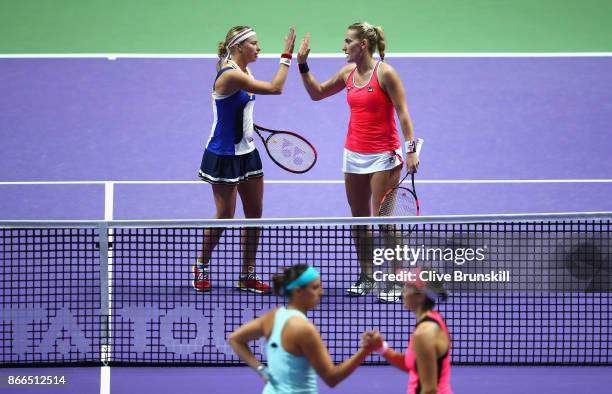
(428, 356)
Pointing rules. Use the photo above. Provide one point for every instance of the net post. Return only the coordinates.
(105, 310)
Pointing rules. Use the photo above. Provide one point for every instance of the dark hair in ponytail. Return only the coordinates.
(289, 274)
(436, 286)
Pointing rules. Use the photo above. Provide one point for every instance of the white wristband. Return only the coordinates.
(285, 61)
(414, 146)
(410, 146)
(262, 370)
(383, 348)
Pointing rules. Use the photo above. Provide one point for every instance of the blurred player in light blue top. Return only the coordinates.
(294, 347)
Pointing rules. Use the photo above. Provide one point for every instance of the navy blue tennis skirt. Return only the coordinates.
(230, 170)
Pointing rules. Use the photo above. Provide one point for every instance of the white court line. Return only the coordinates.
(109, 191)
(338, 55)
(309, 182)
(105, 380)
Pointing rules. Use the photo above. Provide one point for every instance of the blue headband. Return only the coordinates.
(306, 277)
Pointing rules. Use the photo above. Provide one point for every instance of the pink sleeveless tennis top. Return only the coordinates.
(372, 126)
(443, 363)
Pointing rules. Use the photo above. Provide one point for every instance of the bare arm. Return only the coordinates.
(315, 351)
(318, 91)
(235, 80)
(396, 359)
(250, 331)
(393, 86)
(425, 350)
(376, 339)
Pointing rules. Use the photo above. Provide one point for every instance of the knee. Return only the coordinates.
(360, 210)
(360, 205)
(253, 212)
(224, 214)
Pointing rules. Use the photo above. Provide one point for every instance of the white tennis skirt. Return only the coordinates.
(367, 163)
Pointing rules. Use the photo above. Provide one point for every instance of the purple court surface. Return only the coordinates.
(503, 135)
(368, 379)
(484, 120)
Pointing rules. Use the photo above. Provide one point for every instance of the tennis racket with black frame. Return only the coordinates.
(401, 200)
(287, 149)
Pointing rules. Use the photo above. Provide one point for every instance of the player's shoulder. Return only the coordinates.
(269, 315)
(301, 325)
(303, 330)
(385, 68)
(230, 72)
(346, 70)
(426, 330)
(387, 75)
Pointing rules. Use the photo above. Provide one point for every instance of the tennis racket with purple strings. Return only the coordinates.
(401, 200)
(289, 150)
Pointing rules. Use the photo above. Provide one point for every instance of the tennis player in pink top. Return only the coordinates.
(428, 356)
(373, 156)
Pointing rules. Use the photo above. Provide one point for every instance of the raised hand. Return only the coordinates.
(290, 40)
(304, 50)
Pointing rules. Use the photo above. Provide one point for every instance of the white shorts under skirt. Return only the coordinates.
(367, 163)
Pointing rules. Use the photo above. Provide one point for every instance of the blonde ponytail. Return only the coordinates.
(381, 45)
(221, 53)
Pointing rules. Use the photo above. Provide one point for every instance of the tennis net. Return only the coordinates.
(531, 289)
